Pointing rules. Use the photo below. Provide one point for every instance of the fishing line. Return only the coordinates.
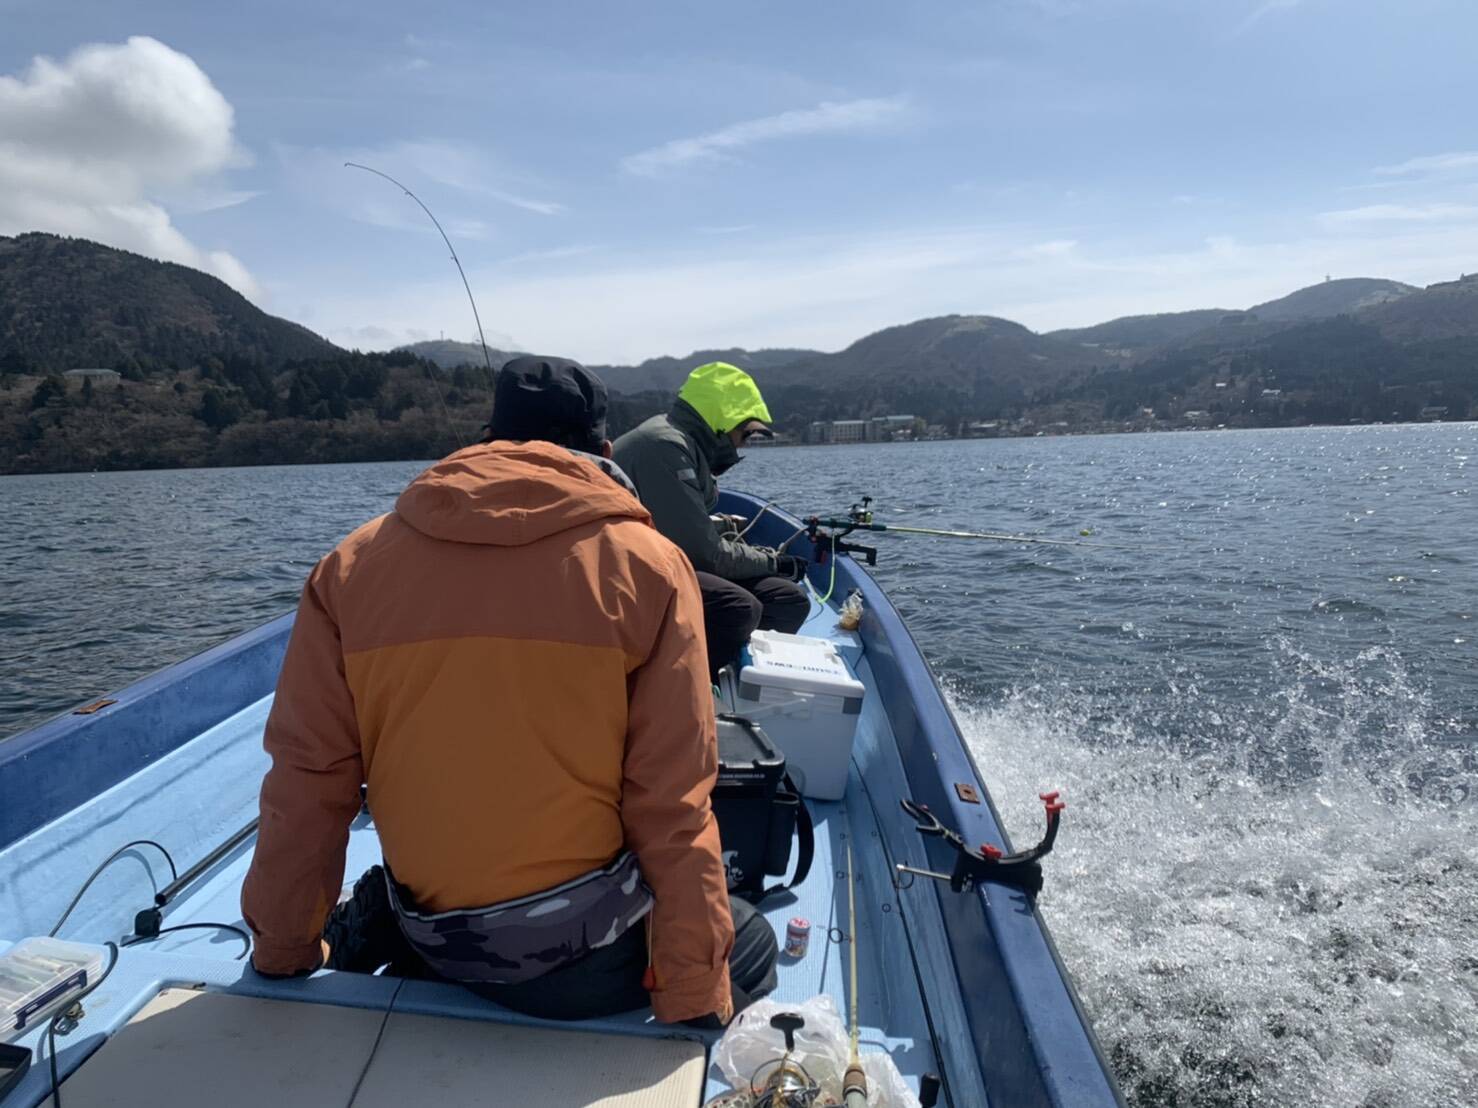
(994, 536)
(832, 583)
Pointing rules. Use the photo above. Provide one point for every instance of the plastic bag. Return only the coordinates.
(821, 1046)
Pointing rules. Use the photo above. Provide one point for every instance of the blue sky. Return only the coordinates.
(627, 180)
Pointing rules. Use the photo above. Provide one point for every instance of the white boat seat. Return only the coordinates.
(187, 1048)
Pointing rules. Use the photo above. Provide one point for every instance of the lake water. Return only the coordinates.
(1264, 717)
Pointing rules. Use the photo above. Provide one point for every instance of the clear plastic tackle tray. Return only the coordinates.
(38, 976)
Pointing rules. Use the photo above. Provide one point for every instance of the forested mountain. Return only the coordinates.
(205, 378)
(1345, 296)
(932, 368)
(1133, 334)
(1448, 310)
(1338, 370)
(69, 303)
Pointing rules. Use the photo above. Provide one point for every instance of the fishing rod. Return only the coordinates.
(854, 1082)
(487, 359)
(860, 518)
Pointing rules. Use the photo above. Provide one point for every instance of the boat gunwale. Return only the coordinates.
(44, 773)
(1058, 1059)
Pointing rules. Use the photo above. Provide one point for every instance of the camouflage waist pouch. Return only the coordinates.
(519, 940)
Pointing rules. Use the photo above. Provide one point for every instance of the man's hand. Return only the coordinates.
(791, 567)
(322, 961)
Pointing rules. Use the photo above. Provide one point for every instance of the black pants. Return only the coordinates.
(363, 936)
(609, 980)
(734, 610)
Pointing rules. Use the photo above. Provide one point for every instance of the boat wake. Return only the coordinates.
(1262, 904)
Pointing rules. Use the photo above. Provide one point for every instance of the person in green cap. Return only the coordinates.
(672, 460)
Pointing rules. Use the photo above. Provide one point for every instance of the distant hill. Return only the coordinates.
(933, 368)
(667, 374)
(1135, 333)
(449, 354)
(1331, 298)
(664, 374)
(1443, 311)
(206, 378)
(1136, 336)
(68, 303)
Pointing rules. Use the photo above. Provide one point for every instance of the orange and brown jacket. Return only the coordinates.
(513, 661)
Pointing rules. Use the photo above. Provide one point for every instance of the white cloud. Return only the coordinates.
(90, 144)
(1457, 161)
(825, 291)
(826, 118)
(1400, 213)
(1056, 248)
(199, 201)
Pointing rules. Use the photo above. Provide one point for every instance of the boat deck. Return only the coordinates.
(198, 794)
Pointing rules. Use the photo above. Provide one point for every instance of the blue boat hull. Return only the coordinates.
(979, 991)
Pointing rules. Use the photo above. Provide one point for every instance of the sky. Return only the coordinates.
(628, 180)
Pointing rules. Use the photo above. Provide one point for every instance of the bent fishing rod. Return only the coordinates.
(487, 359)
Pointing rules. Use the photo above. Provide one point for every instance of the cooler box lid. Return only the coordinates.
(799, 663)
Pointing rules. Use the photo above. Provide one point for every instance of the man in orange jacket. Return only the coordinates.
(512, 661)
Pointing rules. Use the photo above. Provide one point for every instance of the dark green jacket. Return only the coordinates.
(670, 459)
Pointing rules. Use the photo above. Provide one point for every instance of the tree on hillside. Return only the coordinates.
(52, 388)
(218, 410)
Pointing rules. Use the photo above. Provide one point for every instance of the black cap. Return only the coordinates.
(553, 399)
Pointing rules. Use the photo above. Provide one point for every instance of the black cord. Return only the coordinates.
(378, 1036)
(56, 1084)
(108, 861)
(231, 927)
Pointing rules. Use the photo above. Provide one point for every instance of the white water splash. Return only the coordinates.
(1247, 932)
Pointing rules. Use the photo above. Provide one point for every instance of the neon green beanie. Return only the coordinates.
(724, 395)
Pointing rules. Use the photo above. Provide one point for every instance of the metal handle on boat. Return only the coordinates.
(188, 878)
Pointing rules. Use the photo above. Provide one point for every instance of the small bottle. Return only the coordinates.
(797, 937)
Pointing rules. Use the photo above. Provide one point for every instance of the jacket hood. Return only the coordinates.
(512, 494)
(725, 396)
(717, 450)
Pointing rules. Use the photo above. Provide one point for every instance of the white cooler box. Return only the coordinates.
(798, 689)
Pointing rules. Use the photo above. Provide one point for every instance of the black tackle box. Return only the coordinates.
(759, 812)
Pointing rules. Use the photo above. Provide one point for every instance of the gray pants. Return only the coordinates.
(609, 980)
